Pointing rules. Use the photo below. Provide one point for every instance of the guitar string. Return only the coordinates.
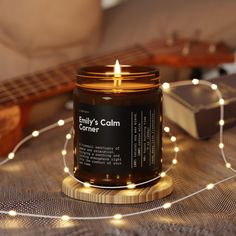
(27, 88)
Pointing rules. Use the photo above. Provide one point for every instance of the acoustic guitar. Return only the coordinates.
(18, 94)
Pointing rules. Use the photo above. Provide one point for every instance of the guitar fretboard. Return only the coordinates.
(61, 78)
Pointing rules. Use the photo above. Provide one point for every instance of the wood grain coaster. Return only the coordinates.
(73, 189)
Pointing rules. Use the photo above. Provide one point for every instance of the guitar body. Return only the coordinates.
(10, 129)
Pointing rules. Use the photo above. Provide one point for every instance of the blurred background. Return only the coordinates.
(39, 34)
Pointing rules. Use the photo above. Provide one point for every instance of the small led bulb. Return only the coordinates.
(61, 122)
(117, 216)
(221, 145)
(214, 86)
(87, 185)
(162, 174)
(173, 138)
(63, 152)
(12, 213)
(68, 136)
(66, 169)
(221, 122)
(167, 205)
(176, 149)
(222, 101)
(195, 81)
(11, 155)
(228, 165)
(35, 133)
(165, 86)
(65, 217)
(210, 186)
(167, 129)
(131, 186)
(174, 161)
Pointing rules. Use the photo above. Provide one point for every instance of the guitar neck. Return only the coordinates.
(60, 79)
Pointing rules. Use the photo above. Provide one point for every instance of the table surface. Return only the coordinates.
(32, 183)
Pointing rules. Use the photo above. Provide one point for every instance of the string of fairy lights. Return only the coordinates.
(129, 185)
(118, 216)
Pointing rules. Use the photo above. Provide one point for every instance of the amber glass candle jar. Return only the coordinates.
(117, 125)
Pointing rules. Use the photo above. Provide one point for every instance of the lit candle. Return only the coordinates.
(117, 74)
(117, 124)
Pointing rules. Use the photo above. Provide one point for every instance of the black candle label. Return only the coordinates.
(118, 140)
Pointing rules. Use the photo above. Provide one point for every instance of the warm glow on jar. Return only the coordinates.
(117, 125)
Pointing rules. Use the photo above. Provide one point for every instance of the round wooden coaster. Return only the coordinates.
(75, 190)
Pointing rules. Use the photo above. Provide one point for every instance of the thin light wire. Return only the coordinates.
(113, 187)
(181, 83)
(219, 95)
(30, 136)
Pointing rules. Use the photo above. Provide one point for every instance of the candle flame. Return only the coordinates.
(117, 69)
(117, 74)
